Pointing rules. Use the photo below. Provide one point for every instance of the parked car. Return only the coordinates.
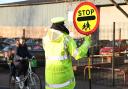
(120, 46)
(30, 41)
(10, 41)
(37, 51)
(4, 52)
(34, 49)
(98, 45)
(2, 45)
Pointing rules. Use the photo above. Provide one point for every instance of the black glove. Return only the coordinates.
(89, 52)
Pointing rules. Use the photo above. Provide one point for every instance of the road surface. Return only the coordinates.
(80, 82)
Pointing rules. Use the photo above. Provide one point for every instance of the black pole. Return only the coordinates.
(113, 57)
(90, 85)
(90, 52)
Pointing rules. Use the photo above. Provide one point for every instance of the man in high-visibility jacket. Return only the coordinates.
(59, 47)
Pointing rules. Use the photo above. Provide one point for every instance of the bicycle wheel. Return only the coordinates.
(12, 83)
(34, 81)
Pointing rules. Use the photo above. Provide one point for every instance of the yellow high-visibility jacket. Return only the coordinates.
(59, 48)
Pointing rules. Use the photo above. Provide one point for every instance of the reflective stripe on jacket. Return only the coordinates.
(58, 51)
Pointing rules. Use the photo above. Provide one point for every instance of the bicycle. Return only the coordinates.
(33, 80)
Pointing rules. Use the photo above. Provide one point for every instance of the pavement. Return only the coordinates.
(80, 82)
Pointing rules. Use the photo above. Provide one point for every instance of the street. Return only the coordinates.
(80, 82)
(4, 77)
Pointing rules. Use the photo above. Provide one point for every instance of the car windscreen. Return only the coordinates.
(110, 44)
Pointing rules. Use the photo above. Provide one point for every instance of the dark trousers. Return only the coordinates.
(21, 67)
(12, 70)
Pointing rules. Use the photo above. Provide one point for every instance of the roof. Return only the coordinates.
(32, 2)
(38, 2)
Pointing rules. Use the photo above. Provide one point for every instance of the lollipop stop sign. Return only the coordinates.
(86, 18)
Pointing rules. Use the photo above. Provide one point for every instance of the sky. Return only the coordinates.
(9, 1)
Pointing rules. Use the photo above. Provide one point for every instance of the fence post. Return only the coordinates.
(120, 34)
(89, 72)
(113, 56)
(23, 33)
(90, 64)
(119, 40)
